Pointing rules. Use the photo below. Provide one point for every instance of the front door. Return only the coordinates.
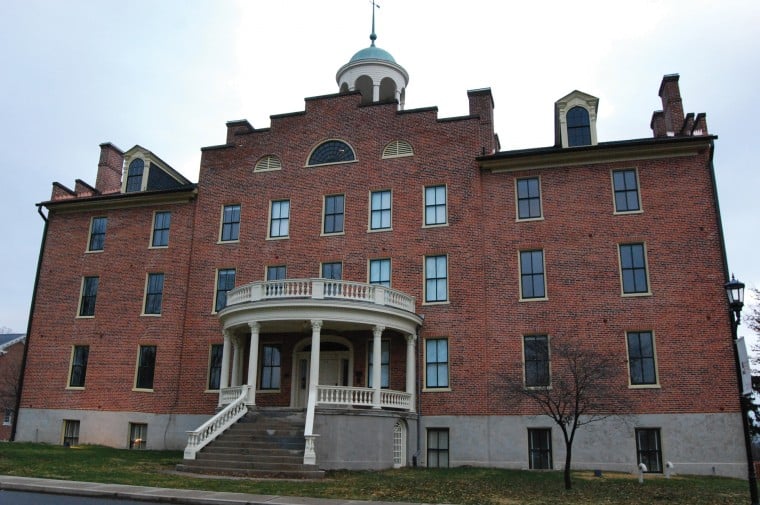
(333, 371)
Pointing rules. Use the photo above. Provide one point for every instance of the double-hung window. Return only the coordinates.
(641, 358)
(97, 234)
(649, 449)
(332, 270)
(633, 269)
(536, 351)
(146, 366)
(270, 367)
(78, 372)
(230, 231)
(436, 279)
(154, 293)
(380, 272)
(225, 281)
(215, 366)
(528, 198)
(436, 363)
(88, 297)
(161, 222)
(532, 281)
(380, 213)
(435, 205)
(334, 214)
(279, 225)
(626, 187)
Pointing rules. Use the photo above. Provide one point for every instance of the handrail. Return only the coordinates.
(321, 289)
(208, 431)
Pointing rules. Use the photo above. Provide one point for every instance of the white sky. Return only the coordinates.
(168, 74)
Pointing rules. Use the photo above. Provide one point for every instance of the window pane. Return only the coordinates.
(231, 222)
(215, 366)
(161, 225)
(98, 234)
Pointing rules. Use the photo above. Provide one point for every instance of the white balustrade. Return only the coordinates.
(229, 415)
(362, 397)
(318, 289)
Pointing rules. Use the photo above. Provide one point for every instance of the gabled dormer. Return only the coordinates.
(575, 120)
(144, 171)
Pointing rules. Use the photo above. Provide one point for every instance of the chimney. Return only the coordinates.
(658, 123)
(109, 169)
(481, 105)
(671, 104)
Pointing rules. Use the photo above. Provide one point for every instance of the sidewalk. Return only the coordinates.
(162, 495)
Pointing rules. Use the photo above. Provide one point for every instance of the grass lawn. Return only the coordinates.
(466, 486)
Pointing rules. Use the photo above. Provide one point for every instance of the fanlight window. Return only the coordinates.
(332, 151)
(269, 162)
(398, 149)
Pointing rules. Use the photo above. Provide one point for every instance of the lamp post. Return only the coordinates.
(735, 293)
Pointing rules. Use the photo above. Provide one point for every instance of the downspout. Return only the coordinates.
(29, 324)
(416, 456)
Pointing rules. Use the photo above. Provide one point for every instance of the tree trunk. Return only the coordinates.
(568, 458)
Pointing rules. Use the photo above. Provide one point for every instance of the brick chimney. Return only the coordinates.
(672, 107)
(481, 105)
(109, 169)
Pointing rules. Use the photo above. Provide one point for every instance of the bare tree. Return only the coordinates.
(752, 316)
(9, 382)
(582, 389)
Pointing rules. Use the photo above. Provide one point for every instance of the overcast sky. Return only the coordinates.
(169, 74)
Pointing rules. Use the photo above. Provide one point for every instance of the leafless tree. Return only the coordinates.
(582, 389)
(9, 382)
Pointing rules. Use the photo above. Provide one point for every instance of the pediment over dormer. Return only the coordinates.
(575, 120)
(144, 171)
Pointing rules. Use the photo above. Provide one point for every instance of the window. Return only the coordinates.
(626, 187)
(532, 275)
(385, 364)
(280, 220)
(154, 290)
(536, 350)
(268, 163)
(334, 213)
(633, 268)
(332, 271)
(225, 281)
(215, 366)
(97, 234)
(89, 294)
(78, 372)
(138, 435)
(135, 175)
(540, 448)
(578, 127)
(146, 366)
(397, 149)
(437, 447)
(161, 222)
(8, 417)
(380, 214)
(436, 279)
(230, 223)
(437, 363)
(648, 448)
(380, 272)
(332, 151)
(276, 273)
(399, 444)
(641, 358)
(70, 432)
(435, 205)
(270, 367)
(528, 198)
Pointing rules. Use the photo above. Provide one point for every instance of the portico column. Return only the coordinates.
(316, 328)
(411, 374)
(253, 361)
(377, 350)
(375, 92)
(224, 379)
(235, 361)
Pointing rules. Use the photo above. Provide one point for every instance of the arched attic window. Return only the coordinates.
(135, 175)
(387, 90)
(578, 127)
(397, 149)
(364, 85)
(267, 163)
(332, 151)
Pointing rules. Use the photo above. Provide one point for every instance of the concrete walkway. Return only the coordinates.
(161, 495)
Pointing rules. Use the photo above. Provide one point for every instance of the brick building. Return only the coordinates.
(11, 356)
(382, 273)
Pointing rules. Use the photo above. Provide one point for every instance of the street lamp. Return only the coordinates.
(735, 293)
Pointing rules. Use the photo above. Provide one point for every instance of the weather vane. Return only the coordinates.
(372, 36)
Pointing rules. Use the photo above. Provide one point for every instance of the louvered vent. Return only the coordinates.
(267, 163)
(398, 149)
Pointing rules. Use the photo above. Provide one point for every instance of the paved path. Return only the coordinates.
(161, 495)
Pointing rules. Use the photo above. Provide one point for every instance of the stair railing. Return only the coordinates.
(229, 415)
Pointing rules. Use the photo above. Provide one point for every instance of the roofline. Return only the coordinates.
(15, 341)
(123, 200)
(548, 157)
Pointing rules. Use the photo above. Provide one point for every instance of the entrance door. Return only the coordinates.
(333, 371)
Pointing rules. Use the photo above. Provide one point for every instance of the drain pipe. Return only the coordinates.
(416, 456)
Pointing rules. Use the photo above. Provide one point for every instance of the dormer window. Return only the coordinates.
(578, 127)
(332, 151)
(135, 175)
(575, 120)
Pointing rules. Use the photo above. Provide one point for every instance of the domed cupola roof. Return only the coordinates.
(374, 73)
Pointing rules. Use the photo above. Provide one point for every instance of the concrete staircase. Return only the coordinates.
(264, 443)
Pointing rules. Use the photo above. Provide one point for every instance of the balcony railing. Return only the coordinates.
(321, 289)
(363, 397)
